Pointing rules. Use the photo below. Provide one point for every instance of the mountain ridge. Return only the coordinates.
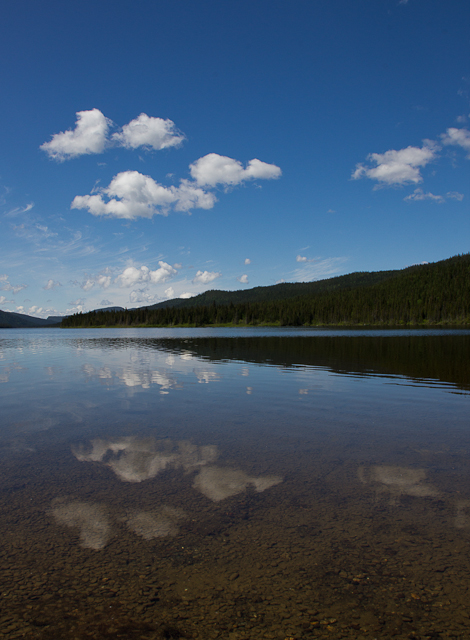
(430, 293)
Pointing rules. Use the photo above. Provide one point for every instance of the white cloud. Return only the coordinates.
(132, 275)
(213, 169)
(3, 299)
(247, 261)
(103, 280)
(79, 308)
(105, 303)
(186, 295)
(142, 295)
(5, 285)
(89, 136)
(132, 195)
(459, 137)
(51, 285)
(397, 167)
(170, 293)
(88, 284)
(146, 131)
(18, 210)
(204, 277)
(418, 194)
(243, 279)
(188, 196)
(300, 258)
(318, 270)
(455, 195)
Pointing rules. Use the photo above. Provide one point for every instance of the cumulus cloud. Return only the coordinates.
(51, 285)
(5, 285)
(170, 293)
(204, 277)
(243, 279)
(131, 195)
(142, 295)
(3, 299)
(146, 131)
(91, 131)
(186, 295)
(103, 280)
(133, 275)
(214, 169)
(418, 194)
(188, 196)
(247, 261)
(397, 167)
(459, 137)
(88, 137)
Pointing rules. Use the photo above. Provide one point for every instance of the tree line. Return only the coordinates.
(436, 293)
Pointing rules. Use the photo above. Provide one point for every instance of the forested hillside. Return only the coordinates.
(437, 293)
(10, 320)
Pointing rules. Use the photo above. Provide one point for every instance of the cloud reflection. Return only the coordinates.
(218, 483)
(91, 519)
(138, 459)
(398, 481)
(151, 525)
(205, 376)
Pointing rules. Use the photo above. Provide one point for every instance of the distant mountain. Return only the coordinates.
(426, 294)
(108, 309)
(10, 320)
(282, 291)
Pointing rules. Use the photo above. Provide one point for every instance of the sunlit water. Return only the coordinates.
(234, 484)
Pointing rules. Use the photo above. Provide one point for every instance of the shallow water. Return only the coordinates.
(234, 484)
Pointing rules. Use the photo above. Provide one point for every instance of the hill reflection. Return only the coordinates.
(423, 357)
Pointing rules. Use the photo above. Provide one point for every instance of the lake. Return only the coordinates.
(235, 483)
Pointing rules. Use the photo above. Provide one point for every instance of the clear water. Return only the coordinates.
(234, 484)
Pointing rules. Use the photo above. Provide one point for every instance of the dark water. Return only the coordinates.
(234, 484)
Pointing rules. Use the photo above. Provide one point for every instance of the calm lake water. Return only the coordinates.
(234, 484)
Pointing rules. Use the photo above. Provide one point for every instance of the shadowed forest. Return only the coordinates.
(428, 294)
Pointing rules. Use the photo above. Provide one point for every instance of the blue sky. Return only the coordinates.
(156, 149)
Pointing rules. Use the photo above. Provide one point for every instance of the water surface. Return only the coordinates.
(234, 483)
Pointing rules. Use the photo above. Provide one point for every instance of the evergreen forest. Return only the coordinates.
(428, 294)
